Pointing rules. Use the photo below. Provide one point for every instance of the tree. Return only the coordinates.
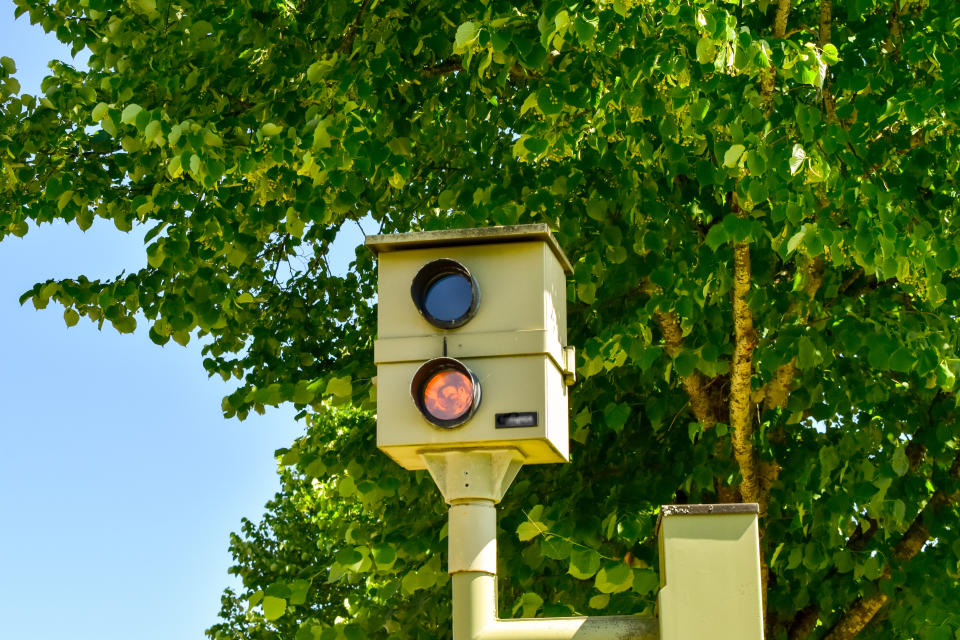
(760, 200)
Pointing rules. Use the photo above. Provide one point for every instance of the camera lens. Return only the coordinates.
(448, 395)
(446, 392)
(445, 293)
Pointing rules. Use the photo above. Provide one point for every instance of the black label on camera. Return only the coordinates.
(517, 419)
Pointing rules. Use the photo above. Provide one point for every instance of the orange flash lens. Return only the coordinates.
(448, 395)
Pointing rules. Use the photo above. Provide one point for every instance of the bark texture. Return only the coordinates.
(695, 384)
(741, 375)
(769, 80)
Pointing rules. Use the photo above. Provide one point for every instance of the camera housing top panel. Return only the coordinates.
(471, 350)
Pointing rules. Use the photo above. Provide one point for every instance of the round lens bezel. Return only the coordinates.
(428, 275)
(425, 373)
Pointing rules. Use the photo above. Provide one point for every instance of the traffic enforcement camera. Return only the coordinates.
(471, 350)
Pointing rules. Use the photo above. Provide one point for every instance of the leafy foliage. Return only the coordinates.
(337, 552)
(760, 201)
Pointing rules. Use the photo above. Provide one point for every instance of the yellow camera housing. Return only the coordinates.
(471, 350)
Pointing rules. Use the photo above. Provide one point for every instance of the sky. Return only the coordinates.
(120, 481)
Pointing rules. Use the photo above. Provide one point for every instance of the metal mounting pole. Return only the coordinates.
(472, 483)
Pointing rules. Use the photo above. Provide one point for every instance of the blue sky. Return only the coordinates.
(121, 479)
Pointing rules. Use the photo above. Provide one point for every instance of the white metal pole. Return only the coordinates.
(472, 484)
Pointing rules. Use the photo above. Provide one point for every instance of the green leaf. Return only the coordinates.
(843, 561)
(410, 582)
(829, 459)
(586, 29)
(99, 111)
(529, 604)
(548, 103)
(587, 292)
(645, 581)
(555, 548)
(8, 65)
(534, 145)
(873, 567)
(130, 144)
(807, 356)
(732, 155)
(349, 556)
(529, 103)
(597, 208)
(318, 70)
(236, 256)
(685, 363)
(583, 563)
(340, 387)
(528, 530)
(298, 592)
(152, 132)
(796, 239)
(797, 156)
(71, 317)
(273, 607)
(706, 50)
(616, 415)
(125, 324)
(756, 163)
(717, 236)
(881, 347)
(130, 113)
(385, 555)
(946, 378)
(614, 578)
(648, 356)
(599, 601)
(65, 198)
(466, 35)
(902, 360)
(830, 54)
(899, 510)
(795, 557)
(899, 461)
(346, 488)
(270, 129)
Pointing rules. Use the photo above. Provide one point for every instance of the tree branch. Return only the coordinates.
(769, 79)
(858, 541)
(804, 622)
(442, 68)
(352, 32)
(780, 19)
(864, 610)
(777, 391)
(895, 31)
(826, 17)
(755, 479)
(694, 384)
(741, 374)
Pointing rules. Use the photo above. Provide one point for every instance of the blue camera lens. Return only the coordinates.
(445, 293)
(449, 297)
